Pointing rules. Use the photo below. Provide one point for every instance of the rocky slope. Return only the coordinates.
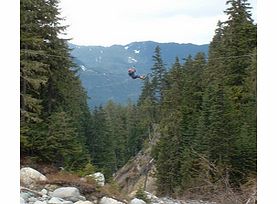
(139, 172)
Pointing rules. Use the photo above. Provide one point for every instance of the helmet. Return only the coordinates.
(131, 70)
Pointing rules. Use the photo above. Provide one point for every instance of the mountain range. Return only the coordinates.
(103, 70)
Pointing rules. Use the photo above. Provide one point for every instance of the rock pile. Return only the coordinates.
(63, 195)
(32, 191)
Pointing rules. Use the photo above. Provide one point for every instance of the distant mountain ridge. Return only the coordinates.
(104, 69)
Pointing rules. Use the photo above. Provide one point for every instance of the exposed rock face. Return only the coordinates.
(140, 171)
(30, 177)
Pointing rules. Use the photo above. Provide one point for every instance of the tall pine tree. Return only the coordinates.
(50, 89)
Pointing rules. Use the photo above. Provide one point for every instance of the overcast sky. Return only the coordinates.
(108, 22)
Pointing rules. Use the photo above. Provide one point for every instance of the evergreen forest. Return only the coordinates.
(205, 107)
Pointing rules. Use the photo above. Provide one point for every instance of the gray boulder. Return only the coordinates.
(106, 200)
(25, 195)
(32, 199)
(55, 200)
(30, 177)
(83, 202)
(40, 202)
(68, 193)
(137, 201)
(22, 201)
(44, 192)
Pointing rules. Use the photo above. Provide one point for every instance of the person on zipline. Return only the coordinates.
(132, 73)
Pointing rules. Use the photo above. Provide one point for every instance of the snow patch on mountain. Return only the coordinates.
(83, 67)
(98, 59)
(126, 47)
(131, 60)
(137, 51)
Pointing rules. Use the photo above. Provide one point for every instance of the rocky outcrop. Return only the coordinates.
(140, 171)
(30, 177)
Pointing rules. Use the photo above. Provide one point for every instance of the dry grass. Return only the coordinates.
(69, 179)
(112, 190)
(222, 194)
(221, 191)
(88, 187)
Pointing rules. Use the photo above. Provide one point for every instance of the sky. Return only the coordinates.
(108, 22)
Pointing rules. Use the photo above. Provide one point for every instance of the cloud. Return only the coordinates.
(106, 22)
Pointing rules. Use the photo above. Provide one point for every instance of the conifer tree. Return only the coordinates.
(117, 117)
(240, 39)
(157, 82)
(146, 106)
(191, 107)
(246, 143)
(50, 89)
(222, 116)
(101, 144)
(33, 71)
(158, 72)
(170, 146)
(61, 143)
(137, 129)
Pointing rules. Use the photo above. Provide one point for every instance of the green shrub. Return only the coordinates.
(89, 169)
(140, 194)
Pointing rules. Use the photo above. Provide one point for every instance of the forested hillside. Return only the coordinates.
(205, 108)
(57, 126)
(207, 111)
